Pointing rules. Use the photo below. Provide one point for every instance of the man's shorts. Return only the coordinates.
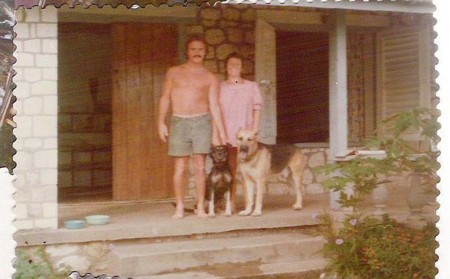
(189, 136)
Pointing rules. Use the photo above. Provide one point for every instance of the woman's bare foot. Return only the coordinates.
(179, 213)
(201, 213)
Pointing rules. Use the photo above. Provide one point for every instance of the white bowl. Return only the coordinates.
(97, 219)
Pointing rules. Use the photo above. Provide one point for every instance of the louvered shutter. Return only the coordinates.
(403, 72)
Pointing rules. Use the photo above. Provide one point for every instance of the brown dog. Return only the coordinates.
(258, 161)
(219, 181)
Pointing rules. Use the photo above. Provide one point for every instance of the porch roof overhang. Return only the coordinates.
(406, 6)
(113, 3)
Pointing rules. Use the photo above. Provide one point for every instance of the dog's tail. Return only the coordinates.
(189, 210)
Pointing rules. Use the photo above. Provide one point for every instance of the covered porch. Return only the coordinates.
(356, 97)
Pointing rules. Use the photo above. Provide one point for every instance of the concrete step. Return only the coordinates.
(303, 269)
(135, 259)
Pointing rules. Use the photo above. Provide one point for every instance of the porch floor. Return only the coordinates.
(138, 220)
(135, 220)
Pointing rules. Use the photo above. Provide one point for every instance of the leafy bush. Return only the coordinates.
(36, 264)
(370, 248)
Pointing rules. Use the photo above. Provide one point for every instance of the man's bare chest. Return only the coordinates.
(197, 81)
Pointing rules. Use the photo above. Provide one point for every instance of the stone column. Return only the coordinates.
(338, 92)
(36, 118)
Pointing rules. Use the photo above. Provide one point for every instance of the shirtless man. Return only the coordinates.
(192, 91)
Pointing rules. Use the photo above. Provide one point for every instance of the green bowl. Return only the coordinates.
(74, 224)
(97, 219)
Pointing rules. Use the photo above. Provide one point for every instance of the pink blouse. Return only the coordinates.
(238, 101)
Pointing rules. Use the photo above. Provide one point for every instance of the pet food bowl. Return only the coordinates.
(74, 224)
(97, 219)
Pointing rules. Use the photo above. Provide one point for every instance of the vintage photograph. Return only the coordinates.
(172, 139)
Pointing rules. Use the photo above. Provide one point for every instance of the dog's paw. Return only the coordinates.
(244, 213)
(211, 215)
(297, 206)
(256, 213)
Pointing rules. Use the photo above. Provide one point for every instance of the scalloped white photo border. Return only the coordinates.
(443, 80)
(442, 15)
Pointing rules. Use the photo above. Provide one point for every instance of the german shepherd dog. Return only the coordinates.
(220, 180)
(258, 161)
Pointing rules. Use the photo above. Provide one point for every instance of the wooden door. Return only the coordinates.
(142, 53)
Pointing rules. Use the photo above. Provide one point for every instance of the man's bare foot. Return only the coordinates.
(179, 213)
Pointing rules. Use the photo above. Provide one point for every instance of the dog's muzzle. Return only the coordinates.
(243, 152)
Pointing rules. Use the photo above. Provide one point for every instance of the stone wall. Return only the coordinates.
(91, 257)
(36, 118)
(227, 29)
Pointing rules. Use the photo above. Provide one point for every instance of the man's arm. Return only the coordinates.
(215, 136)
(214, 107)
(164, 103)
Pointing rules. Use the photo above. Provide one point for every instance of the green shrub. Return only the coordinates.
(370, 248)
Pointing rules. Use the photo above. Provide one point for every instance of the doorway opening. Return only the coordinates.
(302, 87)
(84, 112)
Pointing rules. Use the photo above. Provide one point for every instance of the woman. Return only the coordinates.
(241, 103)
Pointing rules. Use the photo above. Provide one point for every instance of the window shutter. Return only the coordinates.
(403, 72)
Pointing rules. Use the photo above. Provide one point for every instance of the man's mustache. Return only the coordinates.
(199, 56)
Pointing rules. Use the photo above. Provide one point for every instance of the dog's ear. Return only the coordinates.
(257, 136)
(239, 132)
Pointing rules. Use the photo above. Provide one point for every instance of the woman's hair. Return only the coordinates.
(233, 55)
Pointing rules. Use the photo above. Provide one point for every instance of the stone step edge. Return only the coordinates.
(266, 269)
(307, 230)
(123, 251)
